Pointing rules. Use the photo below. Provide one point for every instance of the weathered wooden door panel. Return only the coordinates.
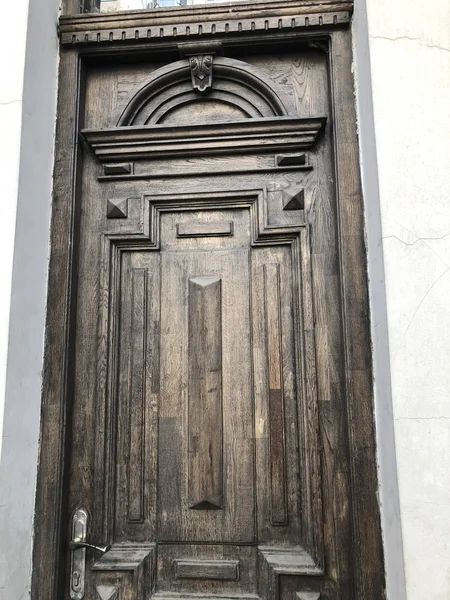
(208, 429)
(208, 471)
(209, 396)
(206, 491)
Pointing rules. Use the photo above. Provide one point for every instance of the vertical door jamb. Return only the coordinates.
(368, 557)
(50, 510)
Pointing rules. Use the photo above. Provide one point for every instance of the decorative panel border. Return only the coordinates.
(143, 232)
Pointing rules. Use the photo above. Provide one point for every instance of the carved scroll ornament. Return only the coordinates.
(201, 72)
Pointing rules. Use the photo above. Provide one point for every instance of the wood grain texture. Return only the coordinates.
(249, 136)
(205, 420)
(277, 444)
(137, 398)
(191, 22)
(244, 558)
(168, 98)
(126, 464)
(198, 569)
(190, 368)
(124, 369)
(369, 577)
(215, 229)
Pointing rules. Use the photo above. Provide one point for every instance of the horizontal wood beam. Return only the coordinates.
(192, 22)
(159, 141)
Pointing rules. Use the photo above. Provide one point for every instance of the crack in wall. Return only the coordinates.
(421, 418)
(10, 102)
(410, 39)
(419, 239)
(418, 307)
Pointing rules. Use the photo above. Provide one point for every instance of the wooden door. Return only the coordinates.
(218, 437)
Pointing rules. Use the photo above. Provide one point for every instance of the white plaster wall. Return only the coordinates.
(12, 65)
(408, 223)
(28, 74)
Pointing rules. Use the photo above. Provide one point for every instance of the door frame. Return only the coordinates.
(85, 38)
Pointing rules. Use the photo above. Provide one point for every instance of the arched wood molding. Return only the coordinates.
(264, 126)
(234, 83)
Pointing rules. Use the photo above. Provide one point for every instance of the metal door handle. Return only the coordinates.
(77, 546)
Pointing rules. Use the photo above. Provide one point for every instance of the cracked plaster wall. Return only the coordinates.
(28, 66)
(404, 123)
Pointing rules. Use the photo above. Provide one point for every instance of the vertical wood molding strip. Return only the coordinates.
(277, 432)
(136, 407)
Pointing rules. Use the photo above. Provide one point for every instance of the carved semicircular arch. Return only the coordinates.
(238, 92)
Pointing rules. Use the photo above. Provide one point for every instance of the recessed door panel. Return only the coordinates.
(206, 488)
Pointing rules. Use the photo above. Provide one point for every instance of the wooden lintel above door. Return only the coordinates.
(264, 135)
(175, 25)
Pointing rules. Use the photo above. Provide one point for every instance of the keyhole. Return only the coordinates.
(76, 579)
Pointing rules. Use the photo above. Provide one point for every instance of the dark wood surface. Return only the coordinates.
(198, 569)
(207, 394)
(205, 409)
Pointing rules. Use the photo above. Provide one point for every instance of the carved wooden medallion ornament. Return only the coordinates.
(201, 71)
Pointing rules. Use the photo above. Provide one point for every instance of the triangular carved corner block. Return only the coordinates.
(107, 592)
(204, 281)
(294, 200)
(308, 596)
(205, 505)
(117, 208)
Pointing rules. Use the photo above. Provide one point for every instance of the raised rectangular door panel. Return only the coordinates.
(200, 569)
(212, 369)
(205, 420)
(206, 431)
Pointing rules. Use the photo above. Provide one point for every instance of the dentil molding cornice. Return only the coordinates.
(220, 20)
